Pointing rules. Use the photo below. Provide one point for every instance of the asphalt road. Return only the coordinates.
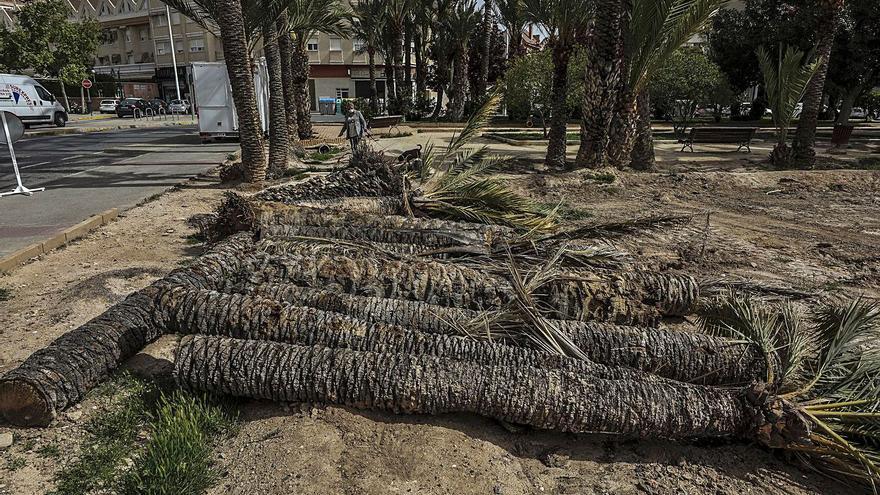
(86, 174)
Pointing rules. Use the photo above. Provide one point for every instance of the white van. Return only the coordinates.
(31, 102)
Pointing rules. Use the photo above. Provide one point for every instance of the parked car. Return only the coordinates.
(179, 106)
(30, 101)
(858, 113)
(108, 105)
(158, 104)
(129, 105)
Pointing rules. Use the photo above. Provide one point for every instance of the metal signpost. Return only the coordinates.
(87, 85)
(13, 129)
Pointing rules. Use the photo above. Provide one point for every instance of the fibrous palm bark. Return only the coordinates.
(637, 298)
(279, 139)
(642, 156)
(299, 67)
(60, 375)
(253, 157)
(803, 146)
(285, 51)
(244, 317)
(556, 147)
(602, 81)
(682, 356)
(543, 398)
(379, 179)
(460, 83)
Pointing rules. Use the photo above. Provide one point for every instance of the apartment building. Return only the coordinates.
(136, 47)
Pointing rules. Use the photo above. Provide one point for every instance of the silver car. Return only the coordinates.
(179, 106)
(108, 106)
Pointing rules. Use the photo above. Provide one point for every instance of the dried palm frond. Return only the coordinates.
(628, 227)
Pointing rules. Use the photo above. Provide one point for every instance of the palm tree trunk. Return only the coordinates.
(438, 107)
(59, 375)
(253, 318)
(846, 106)
(602, 80)
(621, 135)
(642, 156)
(285, 50)
(485, 44)
(407, 70)
(374, 92)
(803, 146)
(683, 356)
(556, 147)
(460, 82)
(241, 77)
(421, 68)
(299, 65)
(279, 141)
(547, 399)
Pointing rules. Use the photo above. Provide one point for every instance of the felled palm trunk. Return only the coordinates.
(241, 79)
(549, 399)
(285, 51)
(279, 140)
(558, 112)
(379, 180)
(601, 81)
(642, 156)
(638, 298)
(59, 375)
(379, 205)
(682, 356)
(253, 318)
(299, 67)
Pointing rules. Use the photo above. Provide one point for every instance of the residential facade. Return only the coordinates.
(136, 50)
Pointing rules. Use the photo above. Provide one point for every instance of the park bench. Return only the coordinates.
(741, 136)
(385, 122)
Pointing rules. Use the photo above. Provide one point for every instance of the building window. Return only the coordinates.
(197, 45)
(161, 20)
(342, 92)
(358, 46)
(335, 44)
(163, 48)
(312, 45)
(175, 18)
(128, 35)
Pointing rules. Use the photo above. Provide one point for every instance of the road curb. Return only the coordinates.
(61, 131)
(12, 261)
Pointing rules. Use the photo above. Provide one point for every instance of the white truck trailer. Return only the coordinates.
(213, 99)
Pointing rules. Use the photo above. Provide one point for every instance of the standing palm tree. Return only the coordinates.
(601, 79)
(785, 81)
(657, 29)
(514, 20)
(279, 138)
(285, 51)
(462, 20)
(485, 44)
(367, 25)
(397, 18)
(306, 18)
(443, 51)
(564, 21)
(805, 135)
(238, 25)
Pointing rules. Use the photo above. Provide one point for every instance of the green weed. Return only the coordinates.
(602, 177)
(334, 150)
(14, 463)
(50, 451)
(177, 459)
(5, 294)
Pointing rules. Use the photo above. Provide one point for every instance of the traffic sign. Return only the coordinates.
(87, 83)
(15, 127)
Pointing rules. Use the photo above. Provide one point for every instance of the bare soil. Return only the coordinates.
(817, 230)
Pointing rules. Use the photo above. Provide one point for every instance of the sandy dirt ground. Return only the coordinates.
(816, 230)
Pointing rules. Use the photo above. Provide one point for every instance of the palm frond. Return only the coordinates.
(785, 81)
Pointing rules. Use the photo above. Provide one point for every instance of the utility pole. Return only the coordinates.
(173, 50)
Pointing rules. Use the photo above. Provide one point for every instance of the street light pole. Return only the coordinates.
(173, 51)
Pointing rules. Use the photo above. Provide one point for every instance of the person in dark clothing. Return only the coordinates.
(354, 127)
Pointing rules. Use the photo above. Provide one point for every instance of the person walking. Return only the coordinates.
(354, 127)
